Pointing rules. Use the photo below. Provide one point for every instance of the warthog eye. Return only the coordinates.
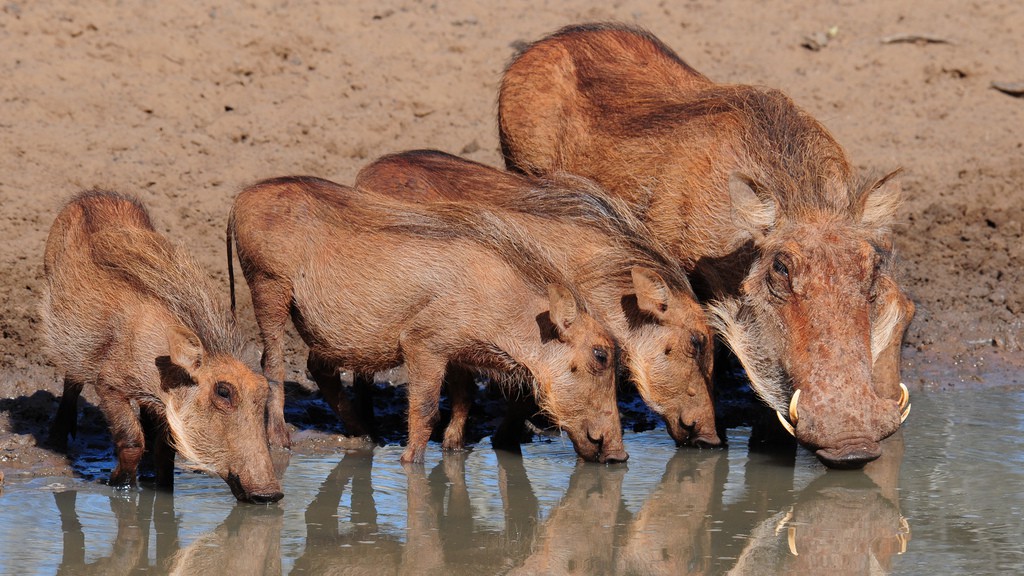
(601, 356)
(873, 286)
(223, 391)
(780, 268)
(779, 282)
(698, 342)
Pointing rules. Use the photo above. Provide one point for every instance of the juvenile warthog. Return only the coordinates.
(755, 198)
(625, 275)
(135, 316)
(371, 282)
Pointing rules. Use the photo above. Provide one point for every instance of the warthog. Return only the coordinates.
(755, 198)
(634, 283)
(371, 282)
(135, 316)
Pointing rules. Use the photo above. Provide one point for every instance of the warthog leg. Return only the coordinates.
(129, 439)
(460, 383)
(271, 299)
(65, 423)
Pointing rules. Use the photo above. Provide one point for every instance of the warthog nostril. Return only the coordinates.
(697, 441)
(242, 495)
(604, 455)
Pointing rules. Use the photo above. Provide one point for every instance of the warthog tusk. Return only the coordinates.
(793, 417)
(786, 425)
(904, 402)
(792, 540)
(792, 408)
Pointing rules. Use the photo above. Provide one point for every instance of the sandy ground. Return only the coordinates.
(183, 103)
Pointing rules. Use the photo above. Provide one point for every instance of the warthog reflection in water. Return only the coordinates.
(247, 542)
(839, 524)
(692, 522)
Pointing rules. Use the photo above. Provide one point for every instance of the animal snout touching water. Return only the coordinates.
(371, 282)
(627, 276)
(791, 251)
(133, 315)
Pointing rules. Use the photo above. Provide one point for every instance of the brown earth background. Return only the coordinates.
(183, 103)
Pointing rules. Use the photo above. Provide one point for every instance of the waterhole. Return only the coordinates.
(946, 498)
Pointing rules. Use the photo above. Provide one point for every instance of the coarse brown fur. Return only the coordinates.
(627, 276)
(753, 196)
(371, 282)
(128, 312)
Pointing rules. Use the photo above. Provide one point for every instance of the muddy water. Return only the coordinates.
(947, 499)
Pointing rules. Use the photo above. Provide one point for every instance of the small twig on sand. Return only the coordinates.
(914, 39)
(1011, 88)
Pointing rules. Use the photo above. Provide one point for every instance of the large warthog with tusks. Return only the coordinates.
(371, 282)
(755, 198)
(632, 281)
(128, 312)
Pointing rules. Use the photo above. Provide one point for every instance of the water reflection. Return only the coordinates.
(440, 523)
(133, 513)
(959, 488)
(836, 523)
(841, 523)
(671, 534)
(246, 542)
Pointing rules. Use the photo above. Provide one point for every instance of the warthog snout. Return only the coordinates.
(852, 456)
(696, 433)
(601, 441)
(255, 495)
(816, 418)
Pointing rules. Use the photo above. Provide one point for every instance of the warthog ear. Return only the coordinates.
(563, 307)
(652, 293)
(879, 202)
(186, 351)
(751, 212)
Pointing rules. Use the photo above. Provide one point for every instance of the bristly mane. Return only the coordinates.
(560, 198)
(167, 272)
(368, 211)
(775, 144)
(775, 137)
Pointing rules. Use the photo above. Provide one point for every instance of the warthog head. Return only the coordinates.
(578, 388)
(216, 410)
(809, 322)
(673, 349)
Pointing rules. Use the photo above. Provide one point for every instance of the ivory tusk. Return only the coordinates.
(904, 396)
(786, 425)
(793, 417)
(906, 412)
(792, 540)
